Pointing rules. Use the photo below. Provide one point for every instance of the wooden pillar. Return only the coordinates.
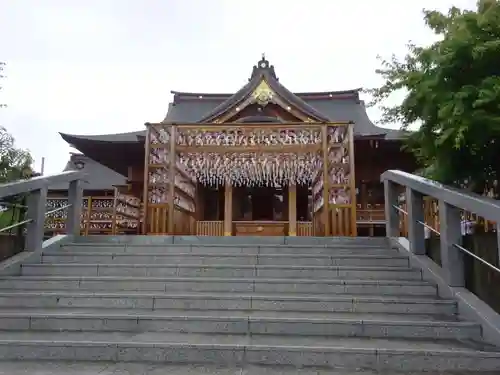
(326, 182)
(171, 169)
(292, 210)
(228, 210)
(200, 202)
(352, 180)
(145, 194)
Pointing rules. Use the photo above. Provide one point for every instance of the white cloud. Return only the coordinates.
(106, 66)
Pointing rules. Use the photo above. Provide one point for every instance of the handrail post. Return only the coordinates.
(36, 202)
(391, 213)
(452, 259)
(416, 232)
(75, 197)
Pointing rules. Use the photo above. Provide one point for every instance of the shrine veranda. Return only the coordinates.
(318, 155)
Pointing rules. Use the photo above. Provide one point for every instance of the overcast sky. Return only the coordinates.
(107, 66)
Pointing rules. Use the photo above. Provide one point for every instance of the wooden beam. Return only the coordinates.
(171, 170)
(292, 210)
(220, 149)
(228, 210)
(326, 181)
(232, 125)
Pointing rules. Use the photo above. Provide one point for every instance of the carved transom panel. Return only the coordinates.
(237, 137)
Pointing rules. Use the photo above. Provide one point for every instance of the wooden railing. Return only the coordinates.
(210, 228)
(184, 222)
(114, 214)
(341, 223)
(157, 218)
(97, 215)
(305, 228)
(431, 214)
(370, 215)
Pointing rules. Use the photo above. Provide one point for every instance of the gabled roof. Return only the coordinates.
(263, 74)
(98, 177)
(345, 105)
(191, 107)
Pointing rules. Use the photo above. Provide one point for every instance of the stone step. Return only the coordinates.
(227, 301)
(228, 249)
(346, 353)
(242, 323)
(238, 313)
(90, 257)
(236, 240)
(121, 368)
(233, 271)
(201, 284)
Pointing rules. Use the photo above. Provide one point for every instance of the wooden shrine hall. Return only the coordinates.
(261, 161)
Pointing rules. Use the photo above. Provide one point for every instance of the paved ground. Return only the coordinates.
(103, 368)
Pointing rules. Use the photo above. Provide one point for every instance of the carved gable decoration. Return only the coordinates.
(264, 88)
(263, 94)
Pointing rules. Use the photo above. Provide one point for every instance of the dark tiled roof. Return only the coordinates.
(98, 177)
(202, 107)
(336, 106)
(117, 137)
(263, 70)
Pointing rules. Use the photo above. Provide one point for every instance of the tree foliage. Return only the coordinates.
(15, 163)
(452, 90)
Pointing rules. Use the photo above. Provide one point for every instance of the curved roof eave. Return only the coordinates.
(129, 137)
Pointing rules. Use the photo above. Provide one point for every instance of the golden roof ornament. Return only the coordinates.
(263, 94)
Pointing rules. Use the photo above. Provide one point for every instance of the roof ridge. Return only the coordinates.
(214, 95)
(263, 71)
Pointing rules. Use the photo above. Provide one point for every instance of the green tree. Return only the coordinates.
(452, 90)
(15, 163)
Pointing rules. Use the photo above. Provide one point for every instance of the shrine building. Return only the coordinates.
(262, 161)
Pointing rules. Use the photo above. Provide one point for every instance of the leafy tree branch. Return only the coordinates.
(452, 90)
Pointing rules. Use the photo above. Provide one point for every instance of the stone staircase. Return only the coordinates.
(235, 301)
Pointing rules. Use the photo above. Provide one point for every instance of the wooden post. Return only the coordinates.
(228, 210)
(352, 180)
(326, 182)
(171, 180)
(145, 194)
(292, 210)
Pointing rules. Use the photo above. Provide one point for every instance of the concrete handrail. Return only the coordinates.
(451, 202)
(480, 205)
(36, 196)
(36, 183)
